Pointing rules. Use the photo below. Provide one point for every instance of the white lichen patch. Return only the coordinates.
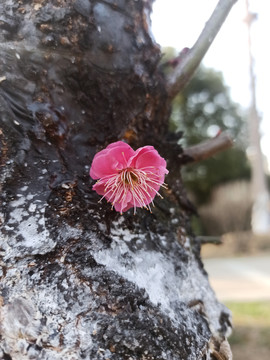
(156, 273)
(147, 270)
(22, 325)
(50, 314)
(32, 207)
(19, 320)
(119, 232)
(26, 228)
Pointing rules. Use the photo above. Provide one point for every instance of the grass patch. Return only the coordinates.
(264, 338)
(250, 313)
(251, 330)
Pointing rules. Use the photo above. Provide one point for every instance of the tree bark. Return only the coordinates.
(78, 280)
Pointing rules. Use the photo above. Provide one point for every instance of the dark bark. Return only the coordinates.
(79, 281)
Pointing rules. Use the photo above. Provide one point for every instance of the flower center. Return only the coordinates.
(129, 176)
(132, 185)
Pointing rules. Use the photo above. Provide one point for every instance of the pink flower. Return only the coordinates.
(128, 178)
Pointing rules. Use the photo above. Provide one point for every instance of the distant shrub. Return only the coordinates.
(229, 209)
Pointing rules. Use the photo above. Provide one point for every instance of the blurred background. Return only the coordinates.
(229, 93)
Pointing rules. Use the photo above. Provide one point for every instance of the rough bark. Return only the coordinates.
(79, 281)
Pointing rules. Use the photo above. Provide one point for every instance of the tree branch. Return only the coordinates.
(208, 148)
(214, 240)
(186, 67)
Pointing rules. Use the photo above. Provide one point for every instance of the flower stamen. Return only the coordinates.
(126, 184)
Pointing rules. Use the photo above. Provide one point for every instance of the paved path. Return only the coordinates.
(240, 279)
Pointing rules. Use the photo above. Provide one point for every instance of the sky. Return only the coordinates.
(178, 23)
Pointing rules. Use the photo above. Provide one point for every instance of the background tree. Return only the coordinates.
(203, 110)
(79, 281)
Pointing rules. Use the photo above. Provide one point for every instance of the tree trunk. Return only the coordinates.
(78, 280)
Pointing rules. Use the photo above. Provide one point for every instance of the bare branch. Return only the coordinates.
(214, 240)
(186, 67)
(208, 148)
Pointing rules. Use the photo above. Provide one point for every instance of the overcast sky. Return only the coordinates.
(178, 23)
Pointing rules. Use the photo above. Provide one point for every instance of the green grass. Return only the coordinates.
(250, 313)
(251, 330)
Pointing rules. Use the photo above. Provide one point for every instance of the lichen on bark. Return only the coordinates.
(79, 281)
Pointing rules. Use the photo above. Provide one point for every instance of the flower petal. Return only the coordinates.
(148, 157)
(99, 187)
(111, 160)
(120, 145)
(125, 204)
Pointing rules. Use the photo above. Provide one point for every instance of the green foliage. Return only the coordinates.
(227, 166)
(203, 110)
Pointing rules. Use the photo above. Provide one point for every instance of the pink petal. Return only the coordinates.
(111, 160)
(121, 145)
(125, 204)
(148, 157)
(117, 207)
(139, 152)
(99, 187)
